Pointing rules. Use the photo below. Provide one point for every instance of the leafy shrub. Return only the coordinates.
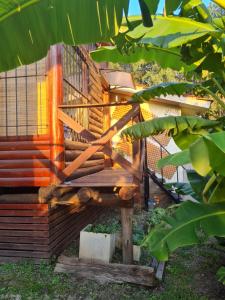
(156, 215)
(104, 228)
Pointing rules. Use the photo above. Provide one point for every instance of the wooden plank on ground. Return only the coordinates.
(106, 273)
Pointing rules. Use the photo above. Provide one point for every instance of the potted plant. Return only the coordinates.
(138, 237)
(97, 242)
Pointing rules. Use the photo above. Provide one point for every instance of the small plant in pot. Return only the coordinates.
(138, 237)
(97, 242)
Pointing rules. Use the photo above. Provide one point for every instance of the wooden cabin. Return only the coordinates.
(55, 134)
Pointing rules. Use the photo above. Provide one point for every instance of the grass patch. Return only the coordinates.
(185, 279)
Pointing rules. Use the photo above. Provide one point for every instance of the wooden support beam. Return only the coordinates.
(90, 197)
(127, 240)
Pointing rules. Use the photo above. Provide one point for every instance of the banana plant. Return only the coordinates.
(194, 36)
(192, 223)
(203, 146)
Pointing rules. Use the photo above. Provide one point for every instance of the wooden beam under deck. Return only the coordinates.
(106, 178)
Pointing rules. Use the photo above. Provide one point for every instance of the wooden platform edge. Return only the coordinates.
(106, 273)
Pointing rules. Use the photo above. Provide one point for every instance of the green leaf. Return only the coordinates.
(172, 5)
(220, 3)
(221, 275)
(146, 14)
(197, 182)
(152, 5)
(166, 58)
(192, 223)
(29, 27)
(163, 89)
(218, 193)
(187, 137)
(173, 125)
(208, 152)
(183, 188)
(171, 32)
(177, 159)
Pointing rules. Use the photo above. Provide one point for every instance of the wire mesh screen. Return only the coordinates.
(76, 87)
(23, 101)
(156, 149)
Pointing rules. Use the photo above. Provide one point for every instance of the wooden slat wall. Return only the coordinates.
(25, 162)
(33, 231)
(96, 116)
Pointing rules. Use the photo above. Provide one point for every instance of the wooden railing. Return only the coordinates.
(102, 144)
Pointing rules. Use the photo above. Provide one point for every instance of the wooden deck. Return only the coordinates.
(106, 178)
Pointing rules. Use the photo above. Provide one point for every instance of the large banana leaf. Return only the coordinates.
(163, 89)
(191, 224)
(173, 125)
(220, 3)
(172, 31)
(166, 58)
(208, 154)
(28, 28)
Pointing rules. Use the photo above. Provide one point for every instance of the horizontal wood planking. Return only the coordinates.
(35, 172)
(24, 220)
(24, 145)
(31, 155)
(25, 138)
(24, 163)
(24, 232)
(24, 240)
(40, 207)
(26, 154)
(24, 182)
(34, 231)
(29, 246)
(31, 227)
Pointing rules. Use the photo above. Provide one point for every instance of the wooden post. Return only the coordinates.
(127, 240)
(139, 201)
(55, 96)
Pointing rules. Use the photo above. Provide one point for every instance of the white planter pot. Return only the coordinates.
(98, 247)
(136, 253)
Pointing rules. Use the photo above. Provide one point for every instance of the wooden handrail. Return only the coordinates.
(96, 105)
